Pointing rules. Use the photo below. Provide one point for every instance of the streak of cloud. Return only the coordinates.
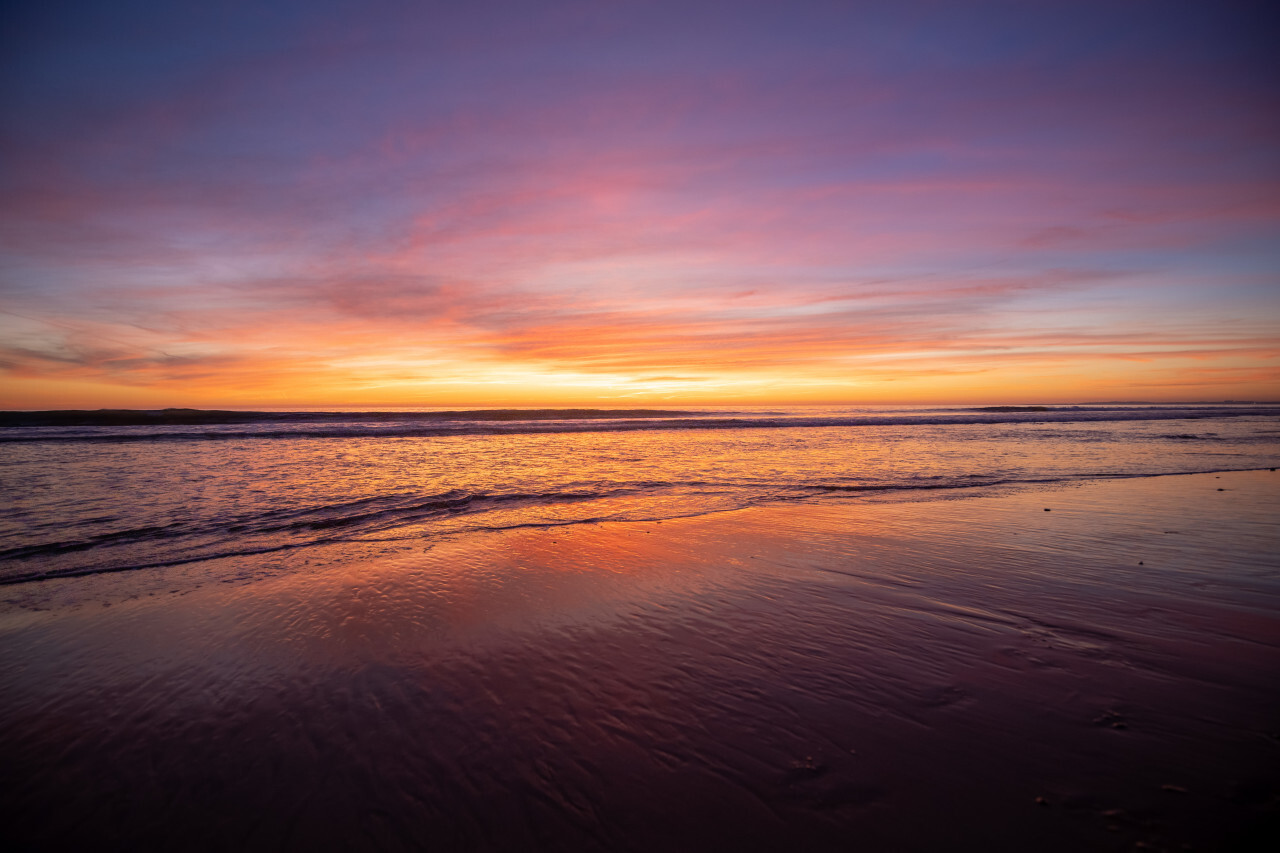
(489, 203)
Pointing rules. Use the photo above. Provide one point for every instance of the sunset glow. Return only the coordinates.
(479, 204)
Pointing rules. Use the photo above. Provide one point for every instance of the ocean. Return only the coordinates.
(113, 491)
(917, 629)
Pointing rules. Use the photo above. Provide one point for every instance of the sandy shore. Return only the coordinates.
(971, 673)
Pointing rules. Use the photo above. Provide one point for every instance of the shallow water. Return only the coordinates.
(82, 499)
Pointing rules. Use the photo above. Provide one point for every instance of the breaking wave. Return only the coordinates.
(118, 426)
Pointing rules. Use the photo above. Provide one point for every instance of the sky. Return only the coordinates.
(327, 203)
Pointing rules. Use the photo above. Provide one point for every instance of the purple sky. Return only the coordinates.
(541, 202)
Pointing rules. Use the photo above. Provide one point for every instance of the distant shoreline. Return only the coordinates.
(160, 417)
(194, 417)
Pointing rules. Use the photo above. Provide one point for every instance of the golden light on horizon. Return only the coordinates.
(587, 230)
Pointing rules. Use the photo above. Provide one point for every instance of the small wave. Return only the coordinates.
(364, 425)
(200, 417)
(1012, 409)
(369, 514)
(108, 569)
(359, 520)
(966, 481)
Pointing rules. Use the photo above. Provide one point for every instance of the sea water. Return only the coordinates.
(87, 493)
(318, 631)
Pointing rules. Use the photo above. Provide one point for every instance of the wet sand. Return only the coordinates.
(973, 673)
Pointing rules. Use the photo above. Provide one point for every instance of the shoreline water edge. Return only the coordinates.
(1072, 666)
(117, 496)
(1001, 628)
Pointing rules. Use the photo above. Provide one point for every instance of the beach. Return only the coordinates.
(639, 427)
(1079, 666)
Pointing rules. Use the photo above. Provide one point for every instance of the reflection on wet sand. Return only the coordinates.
(973, 674)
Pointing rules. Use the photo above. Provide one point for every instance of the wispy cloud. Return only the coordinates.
(329, 202)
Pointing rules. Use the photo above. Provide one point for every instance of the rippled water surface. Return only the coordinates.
(920, 630)
(88, 498)
(977, 673)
